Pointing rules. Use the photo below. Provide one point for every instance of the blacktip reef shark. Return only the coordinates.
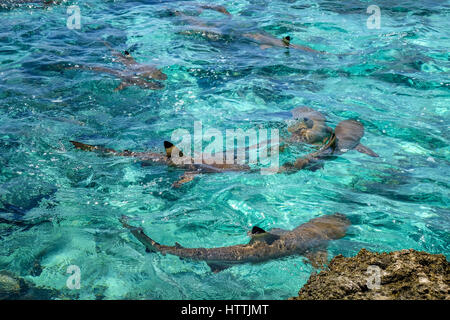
(310, 128)
(174, 157)
(346, 137)
(264, 39)
(309, 239)
(136, 74)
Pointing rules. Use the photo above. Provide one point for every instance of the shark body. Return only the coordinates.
(135, 74)
(266, 40)
(174, 157)
(346, 137)
(211, 31)
(306, 239)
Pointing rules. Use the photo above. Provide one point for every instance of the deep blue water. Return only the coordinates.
(66, 203)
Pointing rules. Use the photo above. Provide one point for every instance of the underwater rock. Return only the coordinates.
(9, 285)
(13, 287)
(404, 274)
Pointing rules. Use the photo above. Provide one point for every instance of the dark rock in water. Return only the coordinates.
(403, 275)
(13, 287)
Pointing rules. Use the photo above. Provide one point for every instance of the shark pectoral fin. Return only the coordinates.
(363, 149)
(265, 46)
(316, 166)
(318, 259)
(215, 267)
(185, 178)
(122, 85)
(154, 85)
(301, 163)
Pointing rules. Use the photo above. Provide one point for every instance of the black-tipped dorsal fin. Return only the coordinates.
(259, 234)
(170, 149)
(178, 246)
(257, 230)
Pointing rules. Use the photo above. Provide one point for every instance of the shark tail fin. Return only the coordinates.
(363, 149)
(171, 149)
(88, 147)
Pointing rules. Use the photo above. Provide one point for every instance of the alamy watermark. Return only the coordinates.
(74, 19)
(374, 21)
(374, 279)
(208, 147)
(73, 281)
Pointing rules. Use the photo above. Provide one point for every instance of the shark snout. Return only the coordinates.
(160, 75)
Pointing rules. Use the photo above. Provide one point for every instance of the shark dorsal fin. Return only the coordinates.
(171, 149)
(178, 246)
(257, 230)
(259, 234)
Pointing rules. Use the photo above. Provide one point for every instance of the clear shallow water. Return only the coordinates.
(397, 85)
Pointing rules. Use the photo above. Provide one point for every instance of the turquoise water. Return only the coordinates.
(66, 203)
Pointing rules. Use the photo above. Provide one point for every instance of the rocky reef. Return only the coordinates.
(13, 287)
(398, 275)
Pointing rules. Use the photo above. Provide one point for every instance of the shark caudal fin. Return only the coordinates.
(88, 147)
(363, 149)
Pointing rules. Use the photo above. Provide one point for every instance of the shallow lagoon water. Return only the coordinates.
(396, 83)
